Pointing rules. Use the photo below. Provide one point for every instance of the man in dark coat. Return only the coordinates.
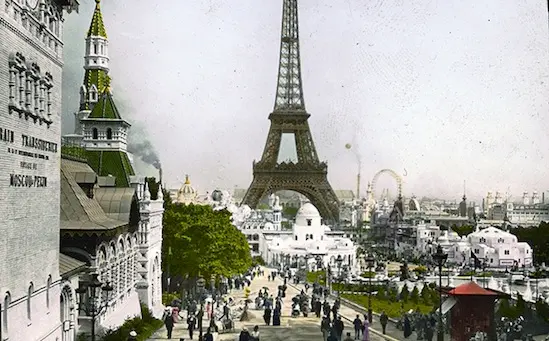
(168, 322)
(383, 319)
(338, 326)
(191, 325)
(357, 323)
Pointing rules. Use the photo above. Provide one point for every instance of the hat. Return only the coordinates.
(133, 333)
(244, 329)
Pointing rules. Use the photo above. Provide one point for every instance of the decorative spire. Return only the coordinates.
(97, 28)
(187, 180)
(289, 90)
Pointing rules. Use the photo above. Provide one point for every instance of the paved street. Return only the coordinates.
(294, 329)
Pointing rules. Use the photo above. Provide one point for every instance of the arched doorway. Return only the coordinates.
(66, 314)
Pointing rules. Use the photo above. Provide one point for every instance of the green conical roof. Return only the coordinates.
(97, 77)
(105, 107)
(97, 28)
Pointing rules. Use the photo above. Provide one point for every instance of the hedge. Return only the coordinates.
(145, 326)
(392, 308)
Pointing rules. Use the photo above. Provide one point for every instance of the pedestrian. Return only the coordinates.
(332, 336)
(168, 321)
(276, 316)
(338, 326)
(383, 319)
(429, 332)
(407, 327)
(254, 336)
(267, 316)
(325, 327)
(357, 323)
(348, 338)
(244, 335)
(191, 325)
(208, 336)
(366, 330)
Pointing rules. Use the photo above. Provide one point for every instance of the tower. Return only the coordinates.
(99, 127)
(307, 175)
(96, 72)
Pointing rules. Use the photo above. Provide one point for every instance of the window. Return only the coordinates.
(506, 252)
(309, 222)
(29, 301)
(5, 307)
(491, 260)
(95, 48)
(48, 287)
(476, 251)
(94, 134)
(109, 134)
(295, 237)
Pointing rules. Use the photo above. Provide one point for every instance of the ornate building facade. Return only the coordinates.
(31, 59)
(110, 219)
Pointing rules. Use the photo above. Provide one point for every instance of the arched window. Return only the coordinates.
(48, 287)
(95, 48)
(29, 301)
(94, 134)
(109, 134)
(5, 307)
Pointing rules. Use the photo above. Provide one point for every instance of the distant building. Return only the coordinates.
(309, 242)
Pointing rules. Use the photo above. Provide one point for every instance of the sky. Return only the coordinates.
(439, 91)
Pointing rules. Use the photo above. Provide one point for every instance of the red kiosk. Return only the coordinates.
(472, 310)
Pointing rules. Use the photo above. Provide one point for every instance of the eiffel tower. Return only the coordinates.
(307, 175)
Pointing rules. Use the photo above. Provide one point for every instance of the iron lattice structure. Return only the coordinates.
(307, 175)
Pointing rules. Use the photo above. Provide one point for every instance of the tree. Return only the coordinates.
(414, 295)
(258, 260)
(463, 230)
(381, 293)
(426, 295)
(202, 242)
(289, 211)
(405, 293)
(538, 238)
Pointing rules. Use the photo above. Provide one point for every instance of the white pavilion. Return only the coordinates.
(309, 242)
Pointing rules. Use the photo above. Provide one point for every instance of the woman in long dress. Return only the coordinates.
(366, 331)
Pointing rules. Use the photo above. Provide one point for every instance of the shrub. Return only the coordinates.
(405, 293)
(426, 295)
(392, 309)
(168, 297)
(258, 260)
(381, 293)
(144, 326)
(414, 295)
(420, 270)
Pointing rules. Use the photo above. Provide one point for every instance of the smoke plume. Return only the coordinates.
(145, 151)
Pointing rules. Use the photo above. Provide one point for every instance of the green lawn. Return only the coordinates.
(392, 309)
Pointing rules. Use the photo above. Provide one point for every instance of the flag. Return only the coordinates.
(478, 263)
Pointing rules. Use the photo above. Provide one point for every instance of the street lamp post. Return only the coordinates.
(440, 258)
(370, 261)
(200, 284)
(94, 299)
